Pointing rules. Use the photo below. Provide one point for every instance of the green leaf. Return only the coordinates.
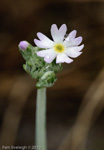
(44, 73)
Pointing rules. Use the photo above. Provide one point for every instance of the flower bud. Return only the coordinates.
(23, 45)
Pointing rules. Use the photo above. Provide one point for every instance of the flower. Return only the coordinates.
(61, 47)
(23, 45)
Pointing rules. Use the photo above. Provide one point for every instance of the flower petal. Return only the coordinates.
(71, 35)
(74, 42)
(77, 48)
(62, 31)
(43, 53)
(68, 40)
(72, 53)
(55, 33)
(50, 57)
(61, 58)
(58, 35)
(77, 40)
(44, 38)
(42, 44)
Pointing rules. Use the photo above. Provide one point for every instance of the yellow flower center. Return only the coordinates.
(59, 48)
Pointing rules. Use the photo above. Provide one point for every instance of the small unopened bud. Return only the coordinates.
(23, 45)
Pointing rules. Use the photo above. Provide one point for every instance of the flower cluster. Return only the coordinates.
(45, 60)
(60, 48)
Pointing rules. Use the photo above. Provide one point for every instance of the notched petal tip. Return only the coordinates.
(38, 34)
(54, 28)
(70, 61)
(63, 58)
(79, 48)
(53, 25)
(78, 40)
(73, 33)
(82, 46)
(44, 39)
(38, 43)
(63, 26)
(41, 36)
(35, 40)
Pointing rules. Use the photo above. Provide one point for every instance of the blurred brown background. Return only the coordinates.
(75, 104)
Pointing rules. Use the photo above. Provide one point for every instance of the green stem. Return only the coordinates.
(41, 118)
